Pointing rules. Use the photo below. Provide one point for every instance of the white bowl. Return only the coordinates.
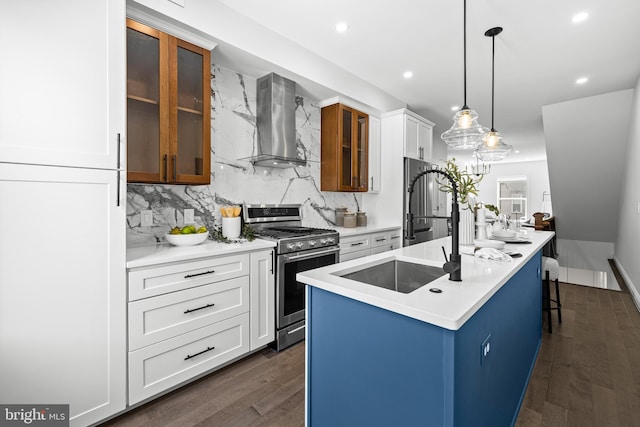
(186, 239)
(503, 233)
(484, 243)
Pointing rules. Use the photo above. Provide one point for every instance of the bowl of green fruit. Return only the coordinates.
(188, 235)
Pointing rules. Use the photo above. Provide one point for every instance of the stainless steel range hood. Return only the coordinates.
(276, 120)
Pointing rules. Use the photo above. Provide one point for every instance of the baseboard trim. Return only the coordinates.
(635, 296)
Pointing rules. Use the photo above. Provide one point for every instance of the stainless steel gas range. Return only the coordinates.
(298, 249)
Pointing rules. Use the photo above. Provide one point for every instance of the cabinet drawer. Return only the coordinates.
(160, 366)
(380, 249)
(148, 282)
(354, 243)
(353, 255)
(155, 319)
(380, 239)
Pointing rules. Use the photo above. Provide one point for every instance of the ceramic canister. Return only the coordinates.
(350, 220)
(340, 216)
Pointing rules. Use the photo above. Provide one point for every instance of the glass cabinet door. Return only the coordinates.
(191, 154)
(361, 150)
(346, 177)
(144, 99)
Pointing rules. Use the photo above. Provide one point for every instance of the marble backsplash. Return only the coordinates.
(235, 181)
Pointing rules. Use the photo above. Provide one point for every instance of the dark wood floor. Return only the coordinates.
(587, 374)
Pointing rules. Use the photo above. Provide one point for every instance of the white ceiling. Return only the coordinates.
(539, 55)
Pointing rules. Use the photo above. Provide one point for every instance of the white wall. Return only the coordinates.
(586, 140)
(537, 178)
(627, 244)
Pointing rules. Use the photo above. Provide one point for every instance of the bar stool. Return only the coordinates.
(551, 270)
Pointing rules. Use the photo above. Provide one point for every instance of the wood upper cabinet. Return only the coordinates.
(344, 151)
(168, 108)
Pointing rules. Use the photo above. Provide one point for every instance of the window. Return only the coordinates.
(512, 196)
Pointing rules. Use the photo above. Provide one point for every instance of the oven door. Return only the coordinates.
(290, 294)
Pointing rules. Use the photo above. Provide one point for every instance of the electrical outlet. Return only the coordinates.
(485, 349)
(146, 218)
(189, 216)
(638, 208)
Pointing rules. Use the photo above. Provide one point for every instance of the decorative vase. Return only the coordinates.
(467, 227)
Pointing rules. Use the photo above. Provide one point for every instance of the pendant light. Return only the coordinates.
(493, 148)
(480, 169)
(466, 132)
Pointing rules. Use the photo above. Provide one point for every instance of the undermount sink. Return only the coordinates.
(396, 275)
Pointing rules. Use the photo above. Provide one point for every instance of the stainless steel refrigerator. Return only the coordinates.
(427, 200)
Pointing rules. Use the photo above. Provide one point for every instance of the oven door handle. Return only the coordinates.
(312, 254)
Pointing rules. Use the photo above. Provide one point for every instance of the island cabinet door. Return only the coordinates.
(370, 367)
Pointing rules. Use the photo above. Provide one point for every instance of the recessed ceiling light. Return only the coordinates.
(582, 80)
(517, 151)
(408, 74)
(579, 17)
(342, 27)
(455, 108)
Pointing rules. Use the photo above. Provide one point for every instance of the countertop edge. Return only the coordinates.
(367, 229)
(152, 255)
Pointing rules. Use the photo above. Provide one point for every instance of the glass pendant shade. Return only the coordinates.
(466, 133)
(492, 148)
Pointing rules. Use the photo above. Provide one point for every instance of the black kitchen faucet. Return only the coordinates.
(453, 265)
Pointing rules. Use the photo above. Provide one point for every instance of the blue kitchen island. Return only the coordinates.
(460, 357)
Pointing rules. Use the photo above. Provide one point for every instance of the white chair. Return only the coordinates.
(551, 271)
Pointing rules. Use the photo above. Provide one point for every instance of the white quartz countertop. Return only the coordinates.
(145, 256)
(367, 229)
(458, 301)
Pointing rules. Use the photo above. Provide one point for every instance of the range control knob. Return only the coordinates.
(291, 246)
(323, 242)
(312, 243)
(331, 240)
(299, 245)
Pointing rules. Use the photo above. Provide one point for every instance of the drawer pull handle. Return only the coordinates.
(382, 239)
(191, 310)
(357, 244)
(191, 356)
(199, 274)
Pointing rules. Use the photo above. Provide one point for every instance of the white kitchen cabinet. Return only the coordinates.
(63, 105)
(357, 243)
(386, 241)
(63, 289)
(190, 317)
(361, 245)
(375, 173)
(160, 366)
(156, 319)
(263, 300)
(411, 131)
(166, 278)
(425, 140)
(355, 254)
(62, 252)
